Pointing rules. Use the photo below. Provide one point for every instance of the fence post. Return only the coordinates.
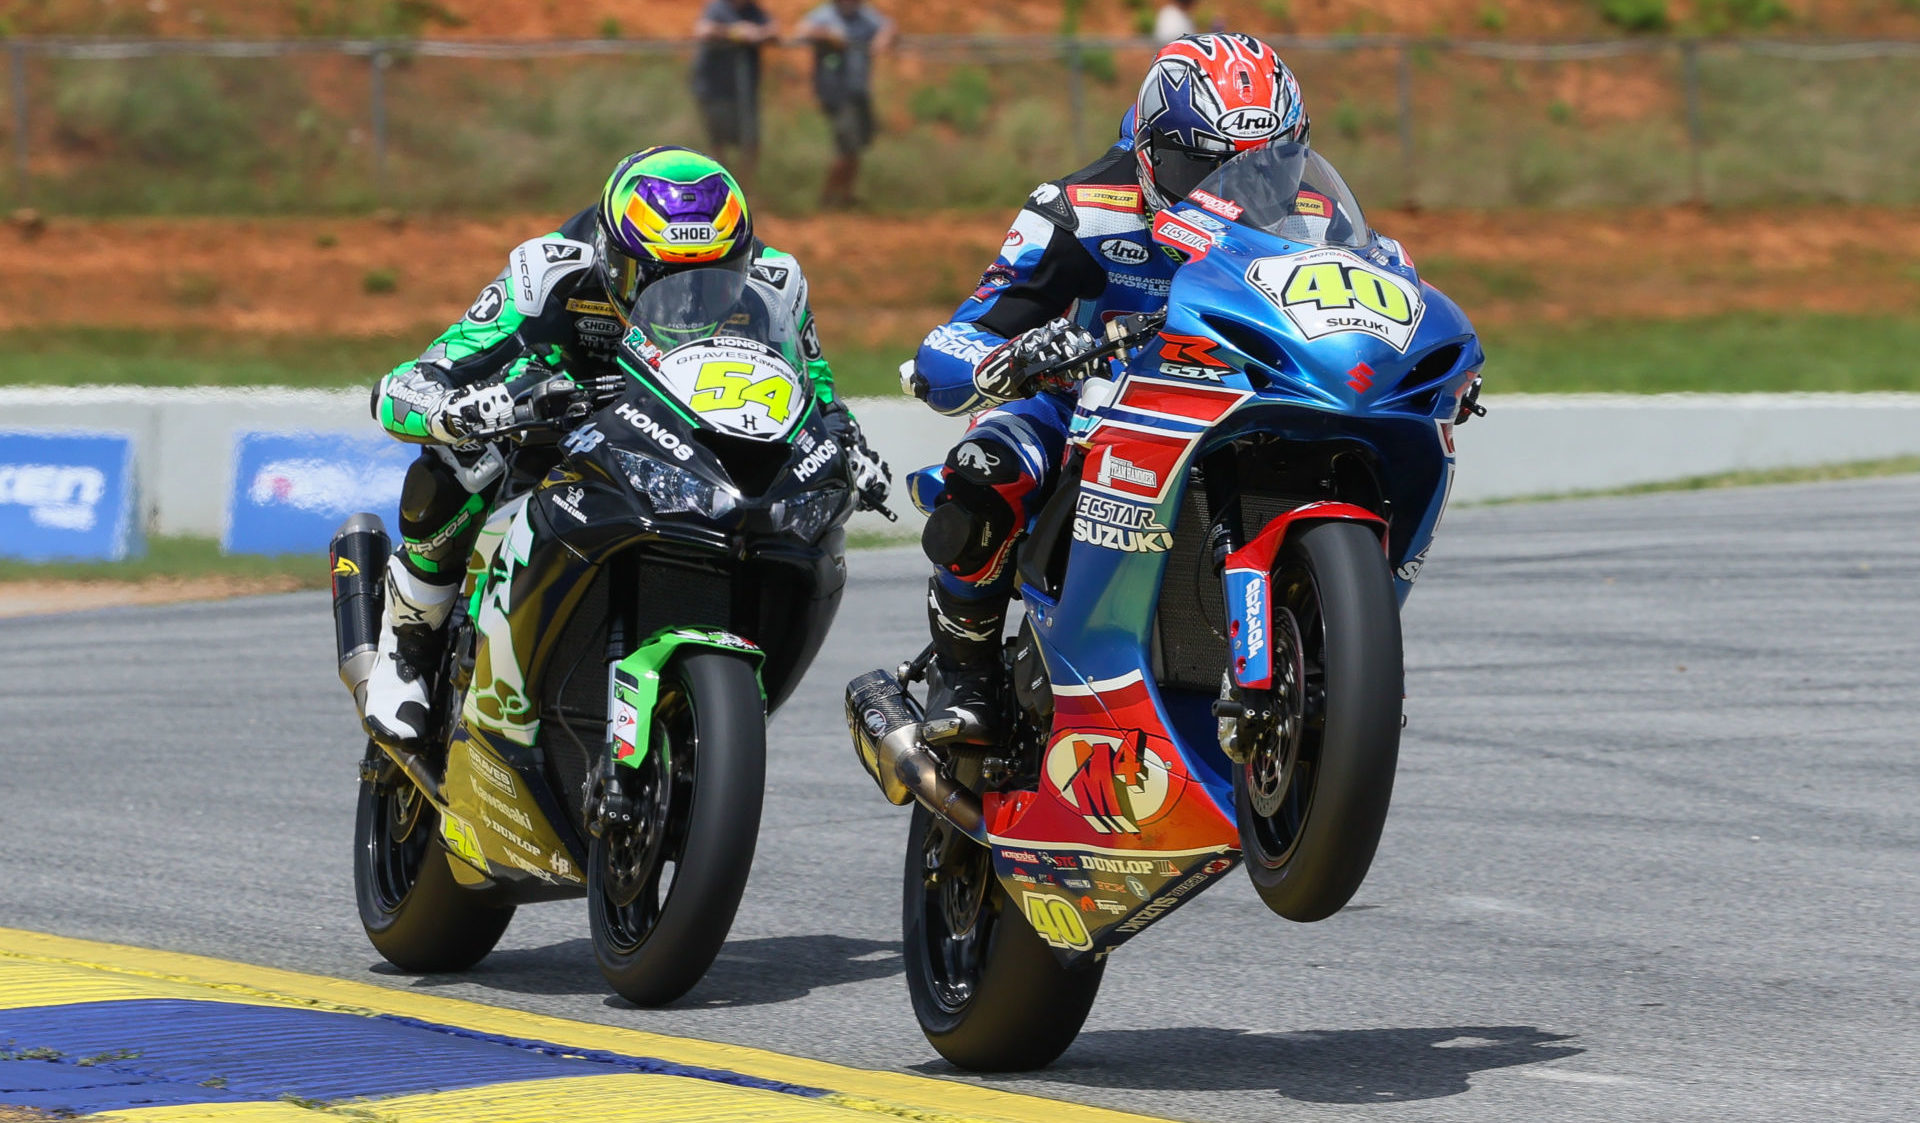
(1696, 130)
(1408, 157)
(1076, 94)
(17, 80)
(377, 98)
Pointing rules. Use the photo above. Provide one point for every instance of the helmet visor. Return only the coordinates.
(1177, 169)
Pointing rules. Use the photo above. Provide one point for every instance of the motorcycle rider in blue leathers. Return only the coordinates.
(1079, 254)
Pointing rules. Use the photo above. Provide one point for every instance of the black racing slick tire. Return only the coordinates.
(418, 917)
(989, 994)
(662, 892)
(1310, 815)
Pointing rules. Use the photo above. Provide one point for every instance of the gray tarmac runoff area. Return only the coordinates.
(1652, 852)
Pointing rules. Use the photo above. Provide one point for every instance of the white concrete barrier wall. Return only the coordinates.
(1527, 445)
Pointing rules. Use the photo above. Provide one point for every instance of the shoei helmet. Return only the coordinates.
(1208, 98)
(666, 209)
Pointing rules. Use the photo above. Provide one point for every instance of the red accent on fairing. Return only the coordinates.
(1172, 230)
(1136, 463)
(1258, 554)
(1361, 378)
(1112, 779)
(1194, 349)
(1205, 404)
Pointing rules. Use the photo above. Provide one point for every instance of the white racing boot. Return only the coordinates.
(397, 704)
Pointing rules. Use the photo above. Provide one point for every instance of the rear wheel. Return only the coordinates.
(662, 891)
(1312, 798)
(418, 917)
(988, 992)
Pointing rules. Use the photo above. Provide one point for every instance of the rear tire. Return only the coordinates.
(992, 998)
(661, 895)
(418, 917)
(1309, 824)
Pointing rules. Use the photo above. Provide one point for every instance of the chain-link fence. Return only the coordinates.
(297, 126)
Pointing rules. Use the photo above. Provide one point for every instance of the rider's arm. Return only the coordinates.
(1042, 269)
(488, 345)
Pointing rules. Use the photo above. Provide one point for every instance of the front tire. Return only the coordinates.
(418, 917)
(662, 893)
(989, 994)
(1311, 807)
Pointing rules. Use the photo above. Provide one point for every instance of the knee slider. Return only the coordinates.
(967, 528)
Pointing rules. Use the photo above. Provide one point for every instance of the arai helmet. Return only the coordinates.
(1206, 99)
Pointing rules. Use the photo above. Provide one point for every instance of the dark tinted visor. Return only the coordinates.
(1178, 169)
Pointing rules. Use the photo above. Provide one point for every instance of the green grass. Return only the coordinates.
(183, 556)
(1738, 353)
(1820, 473)
(72, 357)
(1745, 352)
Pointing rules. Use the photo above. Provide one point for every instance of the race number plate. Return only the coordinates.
(737, 386)
(1327, 292)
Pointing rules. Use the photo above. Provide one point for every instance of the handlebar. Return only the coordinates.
(1123, 333)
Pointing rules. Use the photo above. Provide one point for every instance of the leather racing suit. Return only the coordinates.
(1081, 247)
(547, 313)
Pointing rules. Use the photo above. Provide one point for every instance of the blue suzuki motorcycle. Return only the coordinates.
(1208, 672)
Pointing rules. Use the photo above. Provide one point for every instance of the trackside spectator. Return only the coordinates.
(1174, 19)
(726, 78)
(845, 35)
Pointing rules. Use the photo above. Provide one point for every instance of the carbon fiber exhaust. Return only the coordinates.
(885, 721)
(358, 555)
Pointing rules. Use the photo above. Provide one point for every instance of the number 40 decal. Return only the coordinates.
(1333, 284)
(1056, 921)
(724, 384)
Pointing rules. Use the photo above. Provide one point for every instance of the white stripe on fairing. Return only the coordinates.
(1058, 847)
(1099, 686)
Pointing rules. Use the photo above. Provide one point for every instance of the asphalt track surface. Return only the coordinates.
(1652, 851)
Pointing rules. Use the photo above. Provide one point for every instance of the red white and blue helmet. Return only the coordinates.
(1206, 99)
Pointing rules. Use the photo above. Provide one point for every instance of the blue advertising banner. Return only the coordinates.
(67, 495)
(291, 490)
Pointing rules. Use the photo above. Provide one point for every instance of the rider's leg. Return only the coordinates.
(439, 520)
(996, 478)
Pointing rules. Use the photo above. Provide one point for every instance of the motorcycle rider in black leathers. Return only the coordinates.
(547, 326)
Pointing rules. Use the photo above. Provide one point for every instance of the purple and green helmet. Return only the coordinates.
(665, 209)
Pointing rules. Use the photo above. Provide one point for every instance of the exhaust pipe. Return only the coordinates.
(885, 723)
(359, 555)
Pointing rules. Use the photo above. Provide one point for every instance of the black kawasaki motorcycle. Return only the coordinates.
(654, 579)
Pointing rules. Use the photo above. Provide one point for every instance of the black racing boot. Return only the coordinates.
(964, 702)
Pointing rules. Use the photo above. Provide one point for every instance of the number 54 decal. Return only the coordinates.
(730, 385)
(737, 386)
(1328, 291)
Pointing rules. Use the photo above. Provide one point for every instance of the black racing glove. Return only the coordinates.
(872, 479)
(1014, 369)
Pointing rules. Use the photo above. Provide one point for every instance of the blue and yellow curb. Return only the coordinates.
(127, 1035)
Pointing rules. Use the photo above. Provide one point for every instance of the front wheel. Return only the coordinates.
(662, 892)
(417, 916)
(1311, 799)
(988, 992)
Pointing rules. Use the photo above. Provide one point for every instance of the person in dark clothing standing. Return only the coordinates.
(726, 78)
(845, 35)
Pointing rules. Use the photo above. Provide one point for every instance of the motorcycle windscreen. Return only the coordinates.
(725, 346)
(1287, 190)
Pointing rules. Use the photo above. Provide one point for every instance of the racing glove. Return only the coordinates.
(872, 479)
(1010, 371)
(469, 410)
